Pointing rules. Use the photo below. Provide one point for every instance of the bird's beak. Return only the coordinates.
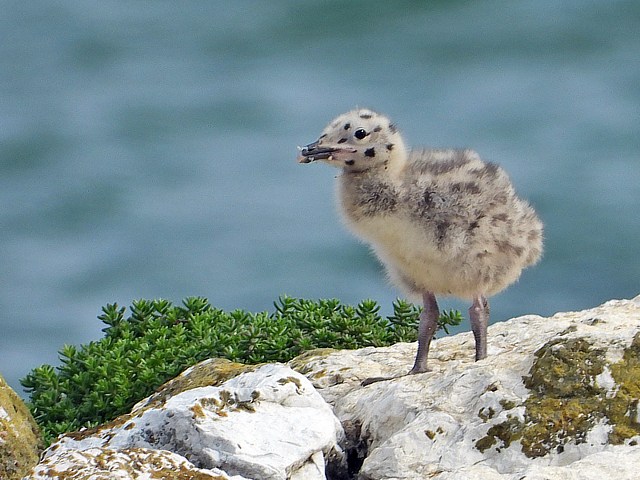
(313, 152)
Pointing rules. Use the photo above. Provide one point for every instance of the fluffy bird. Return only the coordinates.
(442, 221)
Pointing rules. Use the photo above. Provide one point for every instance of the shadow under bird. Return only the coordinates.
(442, 221)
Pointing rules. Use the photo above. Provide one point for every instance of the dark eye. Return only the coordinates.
(360, 133)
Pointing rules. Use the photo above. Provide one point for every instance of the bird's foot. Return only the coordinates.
(415, 370)
(370, 380)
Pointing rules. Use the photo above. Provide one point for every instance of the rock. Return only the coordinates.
(124, 463)
(267, 422)
(20, 442)
(556, 398)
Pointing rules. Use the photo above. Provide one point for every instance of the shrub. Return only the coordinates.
(103, 379)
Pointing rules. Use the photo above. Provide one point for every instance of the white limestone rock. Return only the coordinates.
(557, 398)
(122, 464)
(569, 411)
(269, 423)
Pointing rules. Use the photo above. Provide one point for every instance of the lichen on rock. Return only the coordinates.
(211, 372)
(566, 400)
(127, 463)
(622, 408)
(20, 441)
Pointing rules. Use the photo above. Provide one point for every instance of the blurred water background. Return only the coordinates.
(147, 149)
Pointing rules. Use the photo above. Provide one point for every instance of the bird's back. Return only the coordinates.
(448, 223)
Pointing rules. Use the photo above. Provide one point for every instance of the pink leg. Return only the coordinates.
(479, 316)
(426, 329)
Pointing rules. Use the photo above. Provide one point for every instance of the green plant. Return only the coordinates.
(103, 379)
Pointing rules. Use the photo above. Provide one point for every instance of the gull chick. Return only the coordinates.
(442, 221)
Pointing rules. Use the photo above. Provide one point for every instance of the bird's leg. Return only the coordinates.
(479, 317)
(426, 329)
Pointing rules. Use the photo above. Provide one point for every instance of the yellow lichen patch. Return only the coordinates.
(319, 374)
(431, 434)
(302, 363)
(566, 400)
(566, 368)
(486, 413)
(20, 441)
(105, 430)
(225, 397)
(197, 410)
(506, 432)
(507, 404)
(229, 402)
(212, 372)
(105, 464)
(294, 380)
(623, 406)
(247, 406)
(553, 422)
(212, 403)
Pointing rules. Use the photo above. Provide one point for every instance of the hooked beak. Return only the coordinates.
(313, 152)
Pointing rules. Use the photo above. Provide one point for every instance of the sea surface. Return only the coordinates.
(147, 149)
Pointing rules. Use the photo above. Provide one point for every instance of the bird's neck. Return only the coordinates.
(390, 172)
(396, 166)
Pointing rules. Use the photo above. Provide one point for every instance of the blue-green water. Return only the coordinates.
(147, 149)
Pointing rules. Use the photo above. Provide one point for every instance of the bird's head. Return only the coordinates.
(357, 141)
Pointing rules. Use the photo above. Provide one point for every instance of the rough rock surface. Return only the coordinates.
(557, 398)
(20, 442)
(266, 423)
(123, 463)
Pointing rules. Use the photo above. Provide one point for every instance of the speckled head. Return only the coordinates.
(357, 141)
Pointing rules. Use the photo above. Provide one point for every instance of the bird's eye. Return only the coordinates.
(360, 133)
